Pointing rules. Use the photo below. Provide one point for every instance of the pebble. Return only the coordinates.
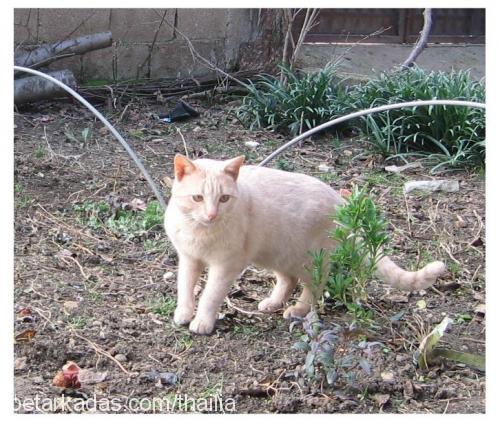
(168, 275)
(121, 358)
(324, 168)
(252, 144)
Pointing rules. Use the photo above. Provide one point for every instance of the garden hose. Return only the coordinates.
(127, 147)
(282, 148)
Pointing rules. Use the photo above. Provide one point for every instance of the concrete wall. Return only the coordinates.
(143, 46)
(364, 61)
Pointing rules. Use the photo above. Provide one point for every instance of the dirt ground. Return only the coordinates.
(86, 294)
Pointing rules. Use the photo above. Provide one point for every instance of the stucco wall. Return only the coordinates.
(143, 45)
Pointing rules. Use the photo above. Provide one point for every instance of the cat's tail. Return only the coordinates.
(405, 280)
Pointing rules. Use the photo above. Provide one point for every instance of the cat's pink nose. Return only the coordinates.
(211, 216)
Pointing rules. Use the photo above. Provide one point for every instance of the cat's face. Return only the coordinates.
(205, 190)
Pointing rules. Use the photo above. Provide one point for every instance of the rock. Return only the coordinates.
(252, 144)
(448, 186)
(121, 358)
(395, 169)
(324, 168)
(70, 306)
(196, 129)
(387, 376)
(421, 304)
(480, 309)
(168, 275)
(20, 363)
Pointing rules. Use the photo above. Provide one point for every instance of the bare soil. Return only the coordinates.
(93, 294)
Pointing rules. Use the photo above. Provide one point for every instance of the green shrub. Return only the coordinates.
(447, 135)
(361, 237)
(295, 104)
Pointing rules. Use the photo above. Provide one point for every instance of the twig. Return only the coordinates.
(101, 351)
(249, 313)
(422, 41)
(183, 141)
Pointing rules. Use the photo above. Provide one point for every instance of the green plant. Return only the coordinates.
(333, 352)
(127, 223)
(82, 137)
(360, 236)
(448, 136)
(293, 104)
(40, 152)
(285, 165)
(163, 306)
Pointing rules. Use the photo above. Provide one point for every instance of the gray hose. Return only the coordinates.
(366, 112)
(129, 150)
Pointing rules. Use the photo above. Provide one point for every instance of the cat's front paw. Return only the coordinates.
(183, 316)
(268, 305)
(202, 326)
(297, 310)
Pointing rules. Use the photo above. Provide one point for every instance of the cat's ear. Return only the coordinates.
(232, 166)
(183, 166)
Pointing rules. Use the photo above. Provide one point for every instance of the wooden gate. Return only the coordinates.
(396, 26)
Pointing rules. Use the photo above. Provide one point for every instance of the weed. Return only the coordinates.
(78, 322)
(163, 306)
(448, 136)
(246, 330)
(294, 104)
(360, 237)
(333, 353)
(82, 137)
(126, 223)
(40, 152)
(285, 165)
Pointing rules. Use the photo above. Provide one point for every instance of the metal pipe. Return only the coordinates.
(366, 112)
(129, 150)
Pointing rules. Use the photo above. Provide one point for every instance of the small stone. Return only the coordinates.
(70, 306)
(196, 129)
(387, 376)
(324, 168)
(449, 186)
(421, 304)
(347, 152)
(480, 309)
(20, 363)
(121, 358)
(252, 144)
(168, 275)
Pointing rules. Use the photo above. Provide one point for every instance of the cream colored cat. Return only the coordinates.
(226, 216)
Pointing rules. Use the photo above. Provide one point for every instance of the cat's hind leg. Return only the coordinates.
(280, 294)
(304, 302)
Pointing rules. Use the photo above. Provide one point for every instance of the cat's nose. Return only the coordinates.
(211, 216)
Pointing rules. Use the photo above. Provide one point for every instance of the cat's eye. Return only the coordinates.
(224, 198)
(198, 198)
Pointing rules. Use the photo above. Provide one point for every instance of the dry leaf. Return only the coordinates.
(68, 377)
(345, 193)
(381, 399)
(137, 204)
(25, 336)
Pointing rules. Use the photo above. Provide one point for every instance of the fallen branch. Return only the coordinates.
(31, 89)
(47, 53)
(422, 40)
